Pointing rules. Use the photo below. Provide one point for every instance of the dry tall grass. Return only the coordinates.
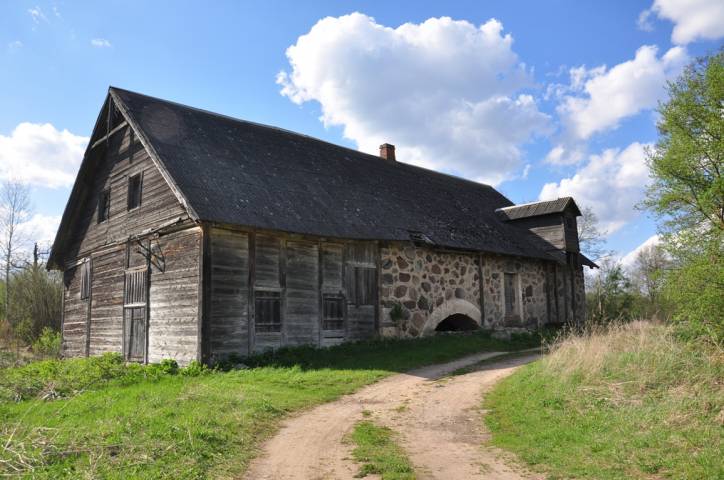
(636, 358)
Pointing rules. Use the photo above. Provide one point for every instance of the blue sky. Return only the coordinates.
(539, 98)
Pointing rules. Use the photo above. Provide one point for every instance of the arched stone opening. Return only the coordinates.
(457, 322)
(449, 308)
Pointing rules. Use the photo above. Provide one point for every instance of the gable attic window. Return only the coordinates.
(104, 205)
(267, 308)
(134, 191)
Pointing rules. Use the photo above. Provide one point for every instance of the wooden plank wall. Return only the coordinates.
(122, 157)
(302, 310)
(74, 315)
(174, 300)
(301, 269)
(361, 320)
(106, 326)
(267, 253)
(229, 290)
(332, 257)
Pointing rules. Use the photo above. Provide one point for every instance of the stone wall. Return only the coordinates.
(429, 285)
(422, 281)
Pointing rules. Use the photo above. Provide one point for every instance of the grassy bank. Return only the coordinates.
(378, 453)
(109, 420)
(631, 402)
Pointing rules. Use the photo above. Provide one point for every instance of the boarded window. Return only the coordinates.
(511, 294)
(333, 312)
(134, 191)
(361, 285)
(267, 307)
(85, 280)
(135, 291)
(104, 205)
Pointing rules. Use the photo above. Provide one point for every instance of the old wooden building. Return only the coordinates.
(193, 235)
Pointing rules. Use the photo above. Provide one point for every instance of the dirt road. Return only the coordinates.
(438, 418)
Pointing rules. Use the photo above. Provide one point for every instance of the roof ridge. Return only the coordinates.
(567, 198)
(303, 135)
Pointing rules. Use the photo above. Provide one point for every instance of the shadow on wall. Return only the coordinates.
(457, 323)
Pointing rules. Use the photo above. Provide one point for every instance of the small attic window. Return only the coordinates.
(134, 191)
(569, 222)
(104, 205)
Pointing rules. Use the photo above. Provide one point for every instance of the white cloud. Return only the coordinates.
(100, 43)
(693, 19)
(40, 229)
(36, 13)
(644, 21)
(445, 92)
(15, 45)
(41, 155)
(611, 183)
(628, 260)
(607, 96)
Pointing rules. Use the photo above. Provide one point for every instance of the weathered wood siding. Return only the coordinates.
(229, 291)
(548, 227)
(266, 276)
(361, 319)
(174, 300)
(121, 157)
(75, 315)
(301, 270)
(302, 316)
(106, 326)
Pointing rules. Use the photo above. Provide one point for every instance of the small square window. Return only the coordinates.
(333, 312)
(134, 191)
(104, 205)
(267, 308)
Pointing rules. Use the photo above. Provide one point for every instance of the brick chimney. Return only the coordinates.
(387, 151)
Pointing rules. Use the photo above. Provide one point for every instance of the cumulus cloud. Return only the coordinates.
(42, 155)
(100, 43)
(445, 92)
(644, 21)
(693, 19)
(628, 261)
(597, 99)
(610, 183)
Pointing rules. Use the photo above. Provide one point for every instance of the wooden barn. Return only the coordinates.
(195, 236)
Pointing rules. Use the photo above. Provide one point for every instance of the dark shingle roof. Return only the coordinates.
(237, 172)
(535, 209)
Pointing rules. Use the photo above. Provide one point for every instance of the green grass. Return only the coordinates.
(633, 402)
(376, 450)
(118, 421)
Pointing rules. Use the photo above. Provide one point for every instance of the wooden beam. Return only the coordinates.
(107, 136)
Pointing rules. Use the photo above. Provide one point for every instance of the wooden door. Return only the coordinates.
(135, 315)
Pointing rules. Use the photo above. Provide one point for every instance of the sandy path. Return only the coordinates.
(438, 418)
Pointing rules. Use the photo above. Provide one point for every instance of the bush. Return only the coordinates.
(194, 369)
(50, 379)
(48, 343)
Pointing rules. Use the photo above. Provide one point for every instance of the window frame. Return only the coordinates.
(104, 209)
(330, 322)
(131, 179)
(274, 326)
(360, 276)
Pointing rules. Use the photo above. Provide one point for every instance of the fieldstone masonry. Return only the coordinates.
(429, 285)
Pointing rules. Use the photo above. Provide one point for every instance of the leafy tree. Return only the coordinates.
(649, 269)
(687, 193)
(610, 294)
